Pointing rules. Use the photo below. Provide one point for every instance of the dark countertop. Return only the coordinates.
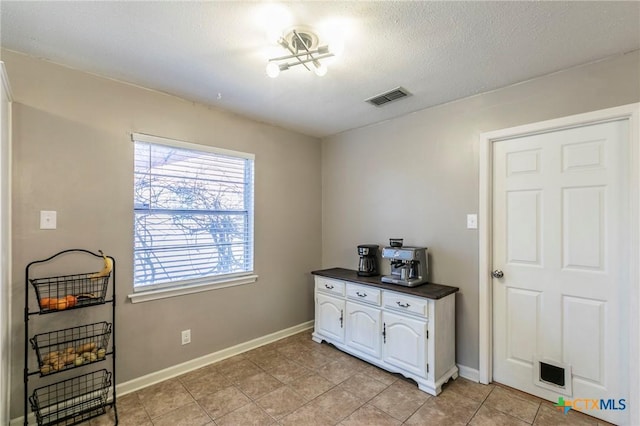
(429, 290)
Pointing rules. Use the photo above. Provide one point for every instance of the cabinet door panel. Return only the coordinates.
(330, 317)
(405, 343)
(364, 329)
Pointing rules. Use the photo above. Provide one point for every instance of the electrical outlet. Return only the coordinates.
(186, 337)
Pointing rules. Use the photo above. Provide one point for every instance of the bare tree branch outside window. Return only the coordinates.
(192, 214)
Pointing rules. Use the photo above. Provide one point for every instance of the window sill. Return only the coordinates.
(146, 296)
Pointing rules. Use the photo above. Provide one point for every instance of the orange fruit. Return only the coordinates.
(44, 303)
(59, 304)
(71, 300)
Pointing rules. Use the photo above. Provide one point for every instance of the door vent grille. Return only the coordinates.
(390, 96)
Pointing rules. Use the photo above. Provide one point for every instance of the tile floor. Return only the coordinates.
(296, 381)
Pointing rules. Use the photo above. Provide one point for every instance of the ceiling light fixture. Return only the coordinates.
(304, 49)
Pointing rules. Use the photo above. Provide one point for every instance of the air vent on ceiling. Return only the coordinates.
(390, 96)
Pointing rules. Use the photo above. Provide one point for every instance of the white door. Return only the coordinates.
(330, 317)
(404, 343)
(562, 242)
(363, 329)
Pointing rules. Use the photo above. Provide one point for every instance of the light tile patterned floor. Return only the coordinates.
(296, 381)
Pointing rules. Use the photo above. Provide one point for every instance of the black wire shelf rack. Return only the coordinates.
(72, 347)
(72, 401)
(81, 344)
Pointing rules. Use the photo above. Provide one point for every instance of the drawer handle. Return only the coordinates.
(330, 287)
(361, 294)
(403, 305)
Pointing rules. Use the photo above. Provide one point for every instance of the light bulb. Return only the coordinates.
(320, 69)
(273, 70)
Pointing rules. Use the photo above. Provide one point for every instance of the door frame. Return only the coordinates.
(629, 112)
(5, 252)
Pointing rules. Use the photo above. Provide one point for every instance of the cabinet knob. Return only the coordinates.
(497, 273)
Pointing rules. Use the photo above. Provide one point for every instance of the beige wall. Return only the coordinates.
(413, 177)
(416, 177)
(72, 153)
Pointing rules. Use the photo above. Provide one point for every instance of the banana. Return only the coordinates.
(106, 270)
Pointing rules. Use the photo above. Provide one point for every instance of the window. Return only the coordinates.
(193, 214)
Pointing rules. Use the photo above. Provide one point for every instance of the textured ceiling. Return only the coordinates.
(216, 52)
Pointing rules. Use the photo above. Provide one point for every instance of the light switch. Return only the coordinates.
(472, 221)
(48, 219)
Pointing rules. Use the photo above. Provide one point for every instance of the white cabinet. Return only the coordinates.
(401, 333)
(364, 294)
(330, 286)
(406, 304)
(363, 329)
(405, 342)
(330, 317)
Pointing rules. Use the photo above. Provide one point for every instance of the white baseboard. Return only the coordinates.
(194, 364)
(469, 373)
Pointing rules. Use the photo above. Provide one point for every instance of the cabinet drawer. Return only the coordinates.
(330, 286)
(364, 294)
(408, 304)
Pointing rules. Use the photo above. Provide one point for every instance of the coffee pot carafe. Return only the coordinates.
(368, 263)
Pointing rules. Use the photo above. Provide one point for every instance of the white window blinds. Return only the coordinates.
(193, 213)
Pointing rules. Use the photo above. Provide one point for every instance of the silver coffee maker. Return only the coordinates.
(409, 266)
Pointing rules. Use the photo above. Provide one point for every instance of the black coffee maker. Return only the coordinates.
(368, 264)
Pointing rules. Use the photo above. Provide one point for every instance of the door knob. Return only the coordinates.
(497, 273)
